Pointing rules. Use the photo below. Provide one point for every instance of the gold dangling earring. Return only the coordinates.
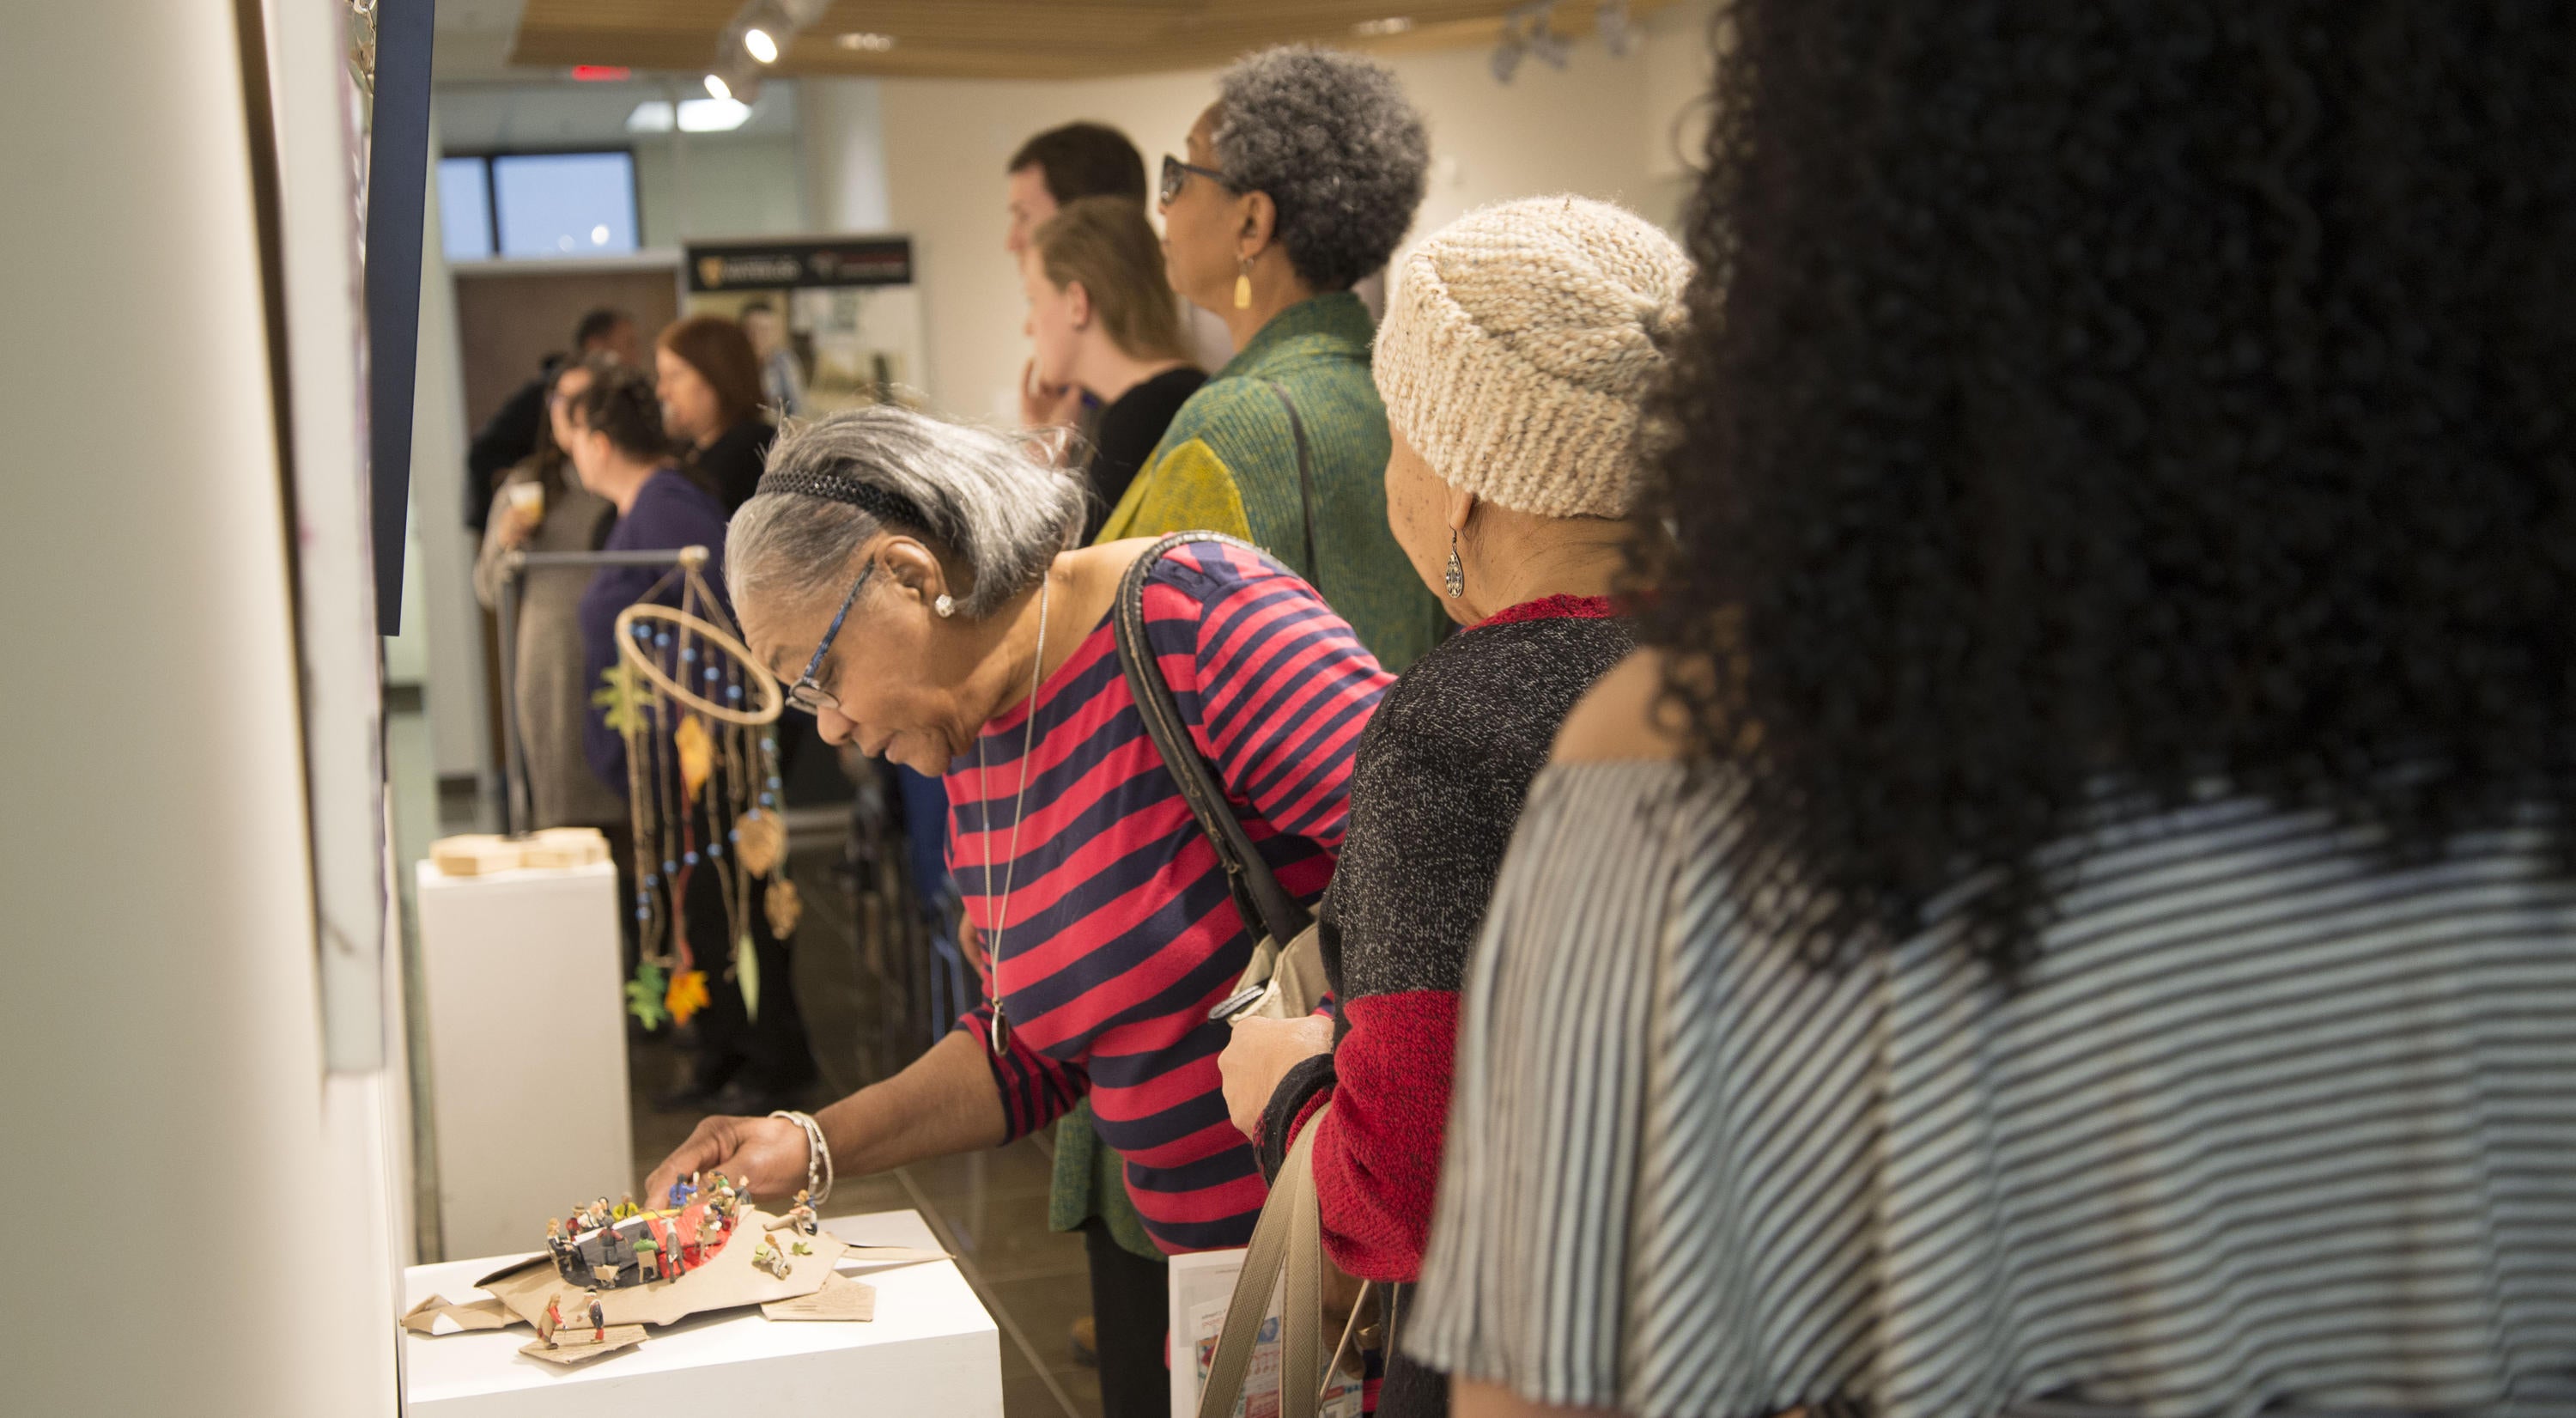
(1456, 576)
(1243, 284)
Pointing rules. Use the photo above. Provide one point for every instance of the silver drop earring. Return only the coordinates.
(947, 605)
(1456, 575)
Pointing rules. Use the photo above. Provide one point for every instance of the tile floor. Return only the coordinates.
(990, 1209)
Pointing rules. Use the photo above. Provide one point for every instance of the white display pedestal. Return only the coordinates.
(525, 1007)
(931, 1351)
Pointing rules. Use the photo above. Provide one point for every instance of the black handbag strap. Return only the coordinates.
(1305, 481)
(1257, 894)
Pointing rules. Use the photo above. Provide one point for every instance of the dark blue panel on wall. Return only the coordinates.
(397, 193)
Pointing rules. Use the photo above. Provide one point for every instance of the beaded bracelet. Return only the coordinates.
(818, 1156)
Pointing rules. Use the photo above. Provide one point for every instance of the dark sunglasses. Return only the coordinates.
(808, 693)
(1176, 175)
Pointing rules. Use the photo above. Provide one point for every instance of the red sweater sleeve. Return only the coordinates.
(1377, 1160)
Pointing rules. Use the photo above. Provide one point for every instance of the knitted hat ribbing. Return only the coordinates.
(1518, 343)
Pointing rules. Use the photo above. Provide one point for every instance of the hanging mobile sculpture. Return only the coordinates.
(699, 716)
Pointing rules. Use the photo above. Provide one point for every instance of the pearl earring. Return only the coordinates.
(947, 605)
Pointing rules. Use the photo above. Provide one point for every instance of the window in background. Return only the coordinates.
(465, 209)
(564, 204)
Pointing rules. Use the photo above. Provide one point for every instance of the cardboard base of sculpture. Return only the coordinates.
(573, 1345)
(758, 1263)
(841, 1298)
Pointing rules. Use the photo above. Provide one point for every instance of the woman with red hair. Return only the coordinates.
(708, 379)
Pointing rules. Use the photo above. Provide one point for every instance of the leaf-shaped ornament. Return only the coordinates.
(621, 695)
(760, 838)
(644, 995)
(784, 907)
(697, 751)
(688, 995)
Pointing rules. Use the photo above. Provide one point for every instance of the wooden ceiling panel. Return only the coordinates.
(1010, 39)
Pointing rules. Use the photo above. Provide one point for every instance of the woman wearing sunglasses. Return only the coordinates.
(917, 584)
(1299, 181)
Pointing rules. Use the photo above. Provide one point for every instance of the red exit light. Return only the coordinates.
(599, 73)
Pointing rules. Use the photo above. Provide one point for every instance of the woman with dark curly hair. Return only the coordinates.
(2076, 910)
(1301, 179)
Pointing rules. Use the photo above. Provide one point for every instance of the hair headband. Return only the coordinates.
(881, 503)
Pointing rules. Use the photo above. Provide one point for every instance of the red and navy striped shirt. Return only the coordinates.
(1121, 932)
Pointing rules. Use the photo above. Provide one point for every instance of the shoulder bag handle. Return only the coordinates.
(1264, 904)
(1287, 1243)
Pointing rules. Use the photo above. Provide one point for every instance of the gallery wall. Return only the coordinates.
(1602, 127)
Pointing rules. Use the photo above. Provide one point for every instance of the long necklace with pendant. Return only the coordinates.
(1001, 1030)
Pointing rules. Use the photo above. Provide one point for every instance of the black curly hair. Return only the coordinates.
(2164, 396)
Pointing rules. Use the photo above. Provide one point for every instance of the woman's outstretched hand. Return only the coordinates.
(769, 1153)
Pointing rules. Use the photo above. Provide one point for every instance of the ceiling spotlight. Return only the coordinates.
(866, 42)
(1379, 29)
(757, 43)
(717, 87)
(1549, 46)
(1618, 31)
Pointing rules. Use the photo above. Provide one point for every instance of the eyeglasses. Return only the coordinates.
(1176, 175)
(808, 693)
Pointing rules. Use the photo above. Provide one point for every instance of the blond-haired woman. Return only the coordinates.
(1103, 320)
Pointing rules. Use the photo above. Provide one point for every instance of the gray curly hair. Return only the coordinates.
(1330, 137)
(985, 501)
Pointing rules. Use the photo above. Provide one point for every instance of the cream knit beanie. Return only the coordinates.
(1518, 343)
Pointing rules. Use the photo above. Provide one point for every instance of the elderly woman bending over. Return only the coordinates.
(910, 579)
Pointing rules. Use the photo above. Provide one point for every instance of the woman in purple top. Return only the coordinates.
(621, 453)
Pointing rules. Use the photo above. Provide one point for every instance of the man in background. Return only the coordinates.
(1058, 166)
(511, 435)
(782, 379)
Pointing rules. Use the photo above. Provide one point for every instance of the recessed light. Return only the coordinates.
(867, 41)
(759, 45)
(717, 87)
(599, 236)
(696, 115)
(1377, 29)
(712, 115)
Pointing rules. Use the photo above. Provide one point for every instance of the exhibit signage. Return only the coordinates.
(774, 265)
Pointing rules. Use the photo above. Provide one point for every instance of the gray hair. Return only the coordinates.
(986, 499)
(1329, 135)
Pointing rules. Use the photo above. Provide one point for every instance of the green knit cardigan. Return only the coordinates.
(1228, 463)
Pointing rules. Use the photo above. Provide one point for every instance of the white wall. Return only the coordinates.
(185, 1240)
(1598, 127)
(451, 621)
(702, 185)
(842, 129)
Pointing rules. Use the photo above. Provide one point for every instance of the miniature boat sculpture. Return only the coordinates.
(602, 1280)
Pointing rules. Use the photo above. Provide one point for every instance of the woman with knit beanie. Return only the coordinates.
(1518, 345)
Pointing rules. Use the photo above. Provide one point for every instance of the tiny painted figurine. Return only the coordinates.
(598, 1319)
(801, 1215)
(554, 1321)
(771, 1259)
(626, 1207)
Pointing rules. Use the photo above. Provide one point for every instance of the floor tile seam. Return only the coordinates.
(974, 1280)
